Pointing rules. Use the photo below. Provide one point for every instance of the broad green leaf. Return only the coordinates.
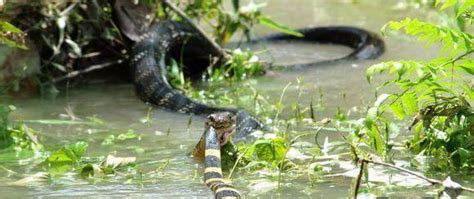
(468, 68)
(78, 148)
(61, 157)
(279, 27)
(397, 110)
(270, 150)
(68, 154)
(410, 103)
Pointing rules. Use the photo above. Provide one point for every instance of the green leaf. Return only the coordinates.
(61, 156)
(279, 27)
(410, 103)
(376, 140)
(12, 36)
(465, 7)
(397, 110)
(453, 41)
(78, 149)
(68, 154)
(270, 150)
(5, 26)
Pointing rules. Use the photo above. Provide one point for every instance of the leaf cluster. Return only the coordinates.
(436, 94)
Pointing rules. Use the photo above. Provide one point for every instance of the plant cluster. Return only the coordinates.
(436, 94)
(21, 143)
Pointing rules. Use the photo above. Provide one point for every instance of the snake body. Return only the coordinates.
(148, 66)
(153, 48)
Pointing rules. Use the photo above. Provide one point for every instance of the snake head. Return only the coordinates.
(224, 124)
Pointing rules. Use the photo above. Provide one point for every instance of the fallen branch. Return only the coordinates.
(452, 188)
(87, 70)
(222, 53)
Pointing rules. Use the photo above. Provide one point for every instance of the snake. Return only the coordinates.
(149, 74)
(155, 46)
(218, 129)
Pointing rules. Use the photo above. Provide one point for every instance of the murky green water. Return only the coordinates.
(119, 107)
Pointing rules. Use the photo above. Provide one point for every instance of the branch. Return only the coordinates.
(359, 178)
(447, 184)
(222, 53)
(87, 70)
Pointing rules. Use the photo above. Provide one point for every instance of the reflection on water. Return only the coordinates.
(118, 105)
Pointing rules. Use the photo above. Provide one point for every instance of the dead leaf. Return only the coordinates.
(39, 177)
(114, 162)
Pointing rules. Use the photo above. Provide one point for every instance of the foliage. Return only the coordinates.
(21, 143)
(437, 94)
(452, 13)
(16, 141)
(266, 152)
(226, 23)
(241, 65)
(69, 36)
(112, 139)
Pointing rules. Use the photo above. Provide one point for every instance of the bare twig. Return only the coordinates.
(418, 175)
(87, 70)
(359, 178)
(222, 53)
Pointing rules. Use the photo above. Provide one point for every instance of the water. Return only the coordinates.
(122, 110)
